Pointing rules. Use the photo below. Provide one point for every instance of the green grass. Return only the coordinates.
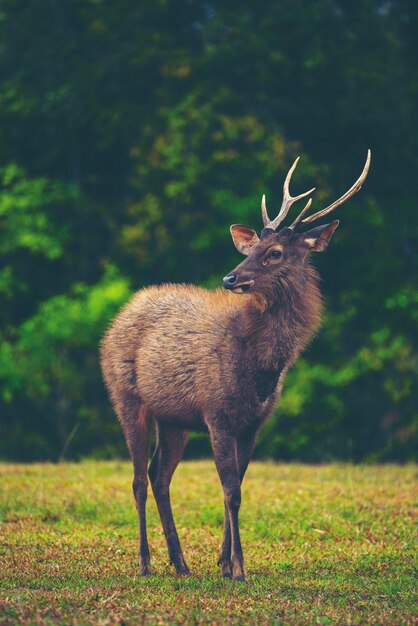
(323, 545)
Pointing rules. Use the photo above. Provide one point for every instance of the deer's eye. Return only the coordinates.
(276, 254)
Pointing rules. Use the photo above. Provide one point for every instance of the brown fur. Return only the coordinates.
(189, 358)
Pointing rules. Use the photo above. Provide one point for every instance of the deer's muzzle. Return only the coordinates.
(231, 283)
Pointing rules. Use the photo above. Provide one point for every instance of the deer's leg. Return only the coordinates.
(136, 423)
(168, 452)
(245, 447)
(226, 459)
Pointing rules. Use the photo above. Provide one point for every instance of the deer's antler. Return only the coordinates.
(288, 200)
(353, 189)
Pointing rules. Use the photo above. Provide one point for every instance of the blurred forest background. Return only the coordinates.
(132, 134)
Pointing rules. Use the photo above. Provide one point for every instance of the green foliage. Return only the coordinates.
(331, 544)
(23, 211)
(137, 133)
(52, 367)
(32, 227)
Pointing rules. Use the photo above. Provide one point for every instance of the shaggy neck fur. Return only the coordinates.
(278, 326)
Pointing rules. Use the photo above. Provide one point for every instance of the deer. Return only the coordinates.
(181, 358)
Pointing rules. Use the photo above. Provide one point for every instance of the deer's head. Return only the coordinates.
(272, 256)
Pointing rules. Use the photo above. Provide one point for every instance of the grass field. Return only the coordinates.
(323, 545)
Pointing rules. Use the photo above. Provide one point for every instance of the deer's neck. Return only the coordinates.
(277, 332)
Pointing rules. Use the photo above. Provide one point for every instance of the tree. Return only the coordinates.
(133, 134)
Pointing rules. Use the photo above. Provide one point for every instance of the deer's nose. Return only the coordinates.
(229, 280)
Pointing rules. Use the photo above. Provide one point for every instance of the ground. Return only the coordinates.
(323, 545)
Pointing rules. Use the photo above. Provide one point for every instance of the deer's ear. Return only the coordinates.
(244, 238)
(318, 238)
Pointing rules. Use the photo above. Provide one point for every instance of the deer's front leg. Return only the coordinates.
(226, 459)
(245, 447)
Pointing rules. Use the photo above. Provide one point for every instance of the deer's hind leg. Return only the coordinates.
(136, 422)
(171, 442)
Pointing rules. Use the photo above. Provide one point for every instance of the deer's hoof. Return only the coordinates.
(240, 579)
(144, 569)
(237, 566)
(225, 569)
(184, 572)
(181, 566)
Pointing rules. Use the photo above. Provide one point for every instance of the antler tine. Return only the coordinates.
(301, 214)
(353, 190)
(288, 200)
(266, 219)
